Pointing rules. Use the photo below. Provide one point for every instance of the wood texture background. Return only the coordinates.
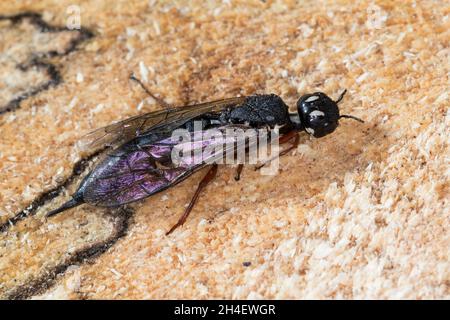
(362, 213)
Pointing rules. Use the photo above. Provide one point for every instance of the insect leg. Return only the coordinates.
(292, 146)
(237, 175)
(205, 181)
(160, 101)
(284, 139)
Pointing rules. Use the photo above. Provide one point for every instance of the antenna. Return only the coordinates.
(351, 117)
(346, 115)
(341, 96)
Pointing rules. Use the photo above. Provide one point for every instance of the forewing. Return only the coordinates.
(165, 120)
(129, 177)
(150, 169)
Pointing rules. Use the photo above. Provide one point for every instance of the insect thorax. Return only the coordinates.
(261, 110)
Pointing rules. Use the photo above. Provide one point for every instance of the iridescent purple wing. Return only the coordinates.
(132, 176)
(123, 131)
(125, 177)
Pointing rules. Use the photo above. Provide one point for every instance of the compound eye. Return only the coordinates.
(317, 114)
(317, 118)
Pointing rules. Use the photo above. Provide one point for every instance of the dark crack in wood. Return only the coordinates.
(38, 59)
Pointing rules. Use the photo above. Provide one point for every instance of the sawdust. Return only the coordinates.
(362, 213)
